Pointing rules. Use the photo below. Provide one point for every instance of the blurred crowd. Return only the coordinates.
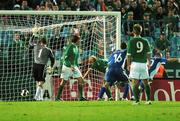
(131, 10)
(160, 19)
(156, 8)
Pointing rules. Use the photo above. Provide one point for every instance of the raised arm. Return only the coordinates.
(87, 72)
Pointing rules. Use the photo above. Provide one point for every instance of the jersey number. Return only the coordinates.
(40, 52)
(117, 57)
(152, 62)
(139, 46)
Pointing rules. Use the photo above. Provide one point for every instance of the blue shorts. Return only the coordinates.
(115, 75)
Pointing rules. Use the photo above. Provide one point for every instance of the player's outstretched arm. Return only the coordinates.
(87, 72)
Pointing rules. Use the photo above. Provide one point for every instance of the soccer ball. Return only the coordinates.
(24, 92)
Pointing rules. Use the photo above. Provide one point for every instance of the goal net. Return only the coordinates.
(100, 35)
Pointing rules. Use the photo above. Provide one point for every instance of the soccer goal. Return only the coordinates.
(99, 32)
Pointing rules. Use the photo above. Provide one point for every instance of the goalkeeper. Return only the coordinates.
(41, 56)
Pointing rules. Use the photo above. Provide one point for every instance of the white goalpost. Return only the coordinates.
(100, 34)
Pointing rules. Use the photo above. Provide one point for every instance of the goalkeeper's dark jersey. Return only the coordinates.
(42, 54)
(100, 65)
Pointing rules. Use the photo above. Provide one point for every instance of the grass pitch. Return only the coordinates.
(89, 111)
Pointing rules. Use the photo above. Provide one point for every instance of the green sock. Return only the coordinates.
(108, 93)
(136, 93)
(80, 89)
(148, 92)
(60, 91)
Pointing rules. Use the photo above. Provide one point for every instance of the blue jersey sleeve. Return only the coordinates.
(163, 60)
(156, 62)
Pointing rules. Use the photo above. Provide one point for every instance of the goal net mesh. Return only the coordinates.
(98, 37)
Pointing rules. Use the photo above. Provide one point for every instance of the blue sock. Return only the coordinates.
(141, 85)
(126, 90)
(102, 91)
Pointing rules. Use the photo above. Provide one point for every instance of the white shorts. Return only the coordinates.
(67, 73)
(138, 71)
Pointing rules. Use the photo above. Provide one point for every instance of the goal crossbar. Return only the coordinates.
(85, 13)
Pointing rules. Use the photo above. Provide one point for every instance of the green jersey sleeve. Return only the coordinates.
(148, 47)
(129, 50)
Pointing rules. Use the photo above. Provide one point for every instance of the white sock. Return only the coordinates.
(38, 91)
(41, 93)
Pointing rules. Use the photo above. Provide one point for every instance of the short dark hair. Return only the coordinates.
(43, 40)
(75, 38)
(123, 45)
(137, 29)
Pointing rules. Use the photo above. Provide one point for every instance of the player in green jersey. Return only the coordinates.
(100, 65)
(138, 62)
(70, 67)
(97, 64)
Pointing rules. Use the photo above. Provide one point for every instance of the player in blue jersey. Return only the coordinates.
(115, 73)
(156, 62)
